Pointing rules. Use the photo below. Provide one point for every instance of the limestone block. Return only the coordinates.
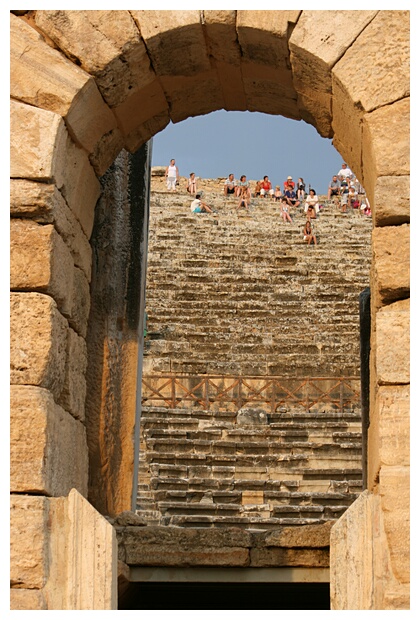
(354, 567)
(48, 446)
(34, 134)
(106, 150)
(44, 78)
(142, 106)
(147, 130)
(222, 44)
(52, 269)
(43, 203)
(265, 67)
(263, 35)
(318, 41)
(395, 495)
(29, 559)
(389, 430)
(391, 201)
(41, 150)
(185, 94)
(24, 599)
(80, 306)
(175, 41)
(276, 556)
(303, 536)
(158, 555)
(107, 44)
(84, 557)
(386, 143)
(391, 263)
(38, 342)
(375, 70)
(393, 343)
(73, 396)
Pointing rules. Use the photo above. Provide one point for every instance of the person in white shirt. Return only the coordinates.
(172, 176)
(199, 206)
(345, 172)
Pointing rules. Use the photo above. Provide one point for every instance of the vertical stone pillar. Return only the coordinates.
(114, 340)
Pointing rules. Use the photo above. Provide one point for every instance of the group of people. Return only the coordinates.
(344, 185)
(349, 192)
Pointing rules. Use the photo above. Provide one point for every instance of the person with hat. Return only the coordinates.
(289, 184)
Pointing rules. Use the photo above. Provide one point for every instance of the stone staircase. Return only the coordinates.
(239, 293)
(200, 469)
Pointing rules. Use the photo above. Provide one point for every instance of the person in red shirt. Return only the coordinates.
(266, 187)
(289, 184)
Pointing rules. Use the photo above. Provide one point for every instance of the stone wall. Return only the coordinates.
(85, 84)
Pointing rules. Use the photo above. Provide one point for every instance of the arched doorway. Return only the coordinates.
(86, 84)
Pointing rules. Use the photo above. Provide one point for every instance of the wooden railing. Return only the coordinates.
(228, 392)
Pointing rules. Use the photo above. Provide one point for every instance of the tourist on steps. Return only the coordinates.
(277, 196)
(172, 176)
(244, 198)
(240, 185)
(192, 184)
(312, 203)
(309, 233)
(266, 187)
(301, 189)
(199, 206)
(229, 185)
(333, 187)
(285, 211)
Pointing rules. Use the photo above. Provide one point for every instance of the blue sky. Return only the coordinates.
(248, 143)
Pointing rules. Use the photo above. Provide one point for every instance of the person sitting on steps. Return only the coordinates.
(244, 198)
(309, 234)
(199, 206)
(229, 185)
(192, 184)
(312, 203)
(285, 211)
(266, 187)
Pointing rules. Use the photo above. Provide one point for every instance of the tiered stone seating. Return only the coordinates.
(199, 468)
(239, 293)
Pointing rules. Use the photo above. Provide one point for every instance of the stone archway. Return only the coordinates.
(87, 84)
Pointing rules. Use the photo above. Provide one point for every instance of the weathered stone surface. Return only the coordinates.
(79, 315)
(393, 343)
(316, 44)
(370, 85)
(356, 555)
(158, 555)
(43, 203)
(304, 536)
(381, 155)
(73, 396)
(183, 539)
(395, 494)
(174, 40)
(38, 342)
(129, 518)
(42, 77)
(106, 150)
(108, 46)
(24, 599)
(142, 106)
(42, 150)
(51, 272)
(222, 43)
(391, 263)
(29, 558)
(83, 556)
(147, 130)
(48, 446)
(391, 205)
(254, 417)
(34, 134)
(276, 556)
(265, 66)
